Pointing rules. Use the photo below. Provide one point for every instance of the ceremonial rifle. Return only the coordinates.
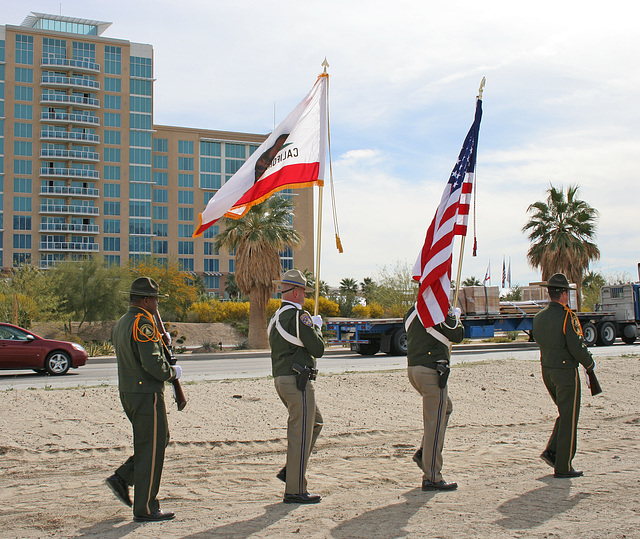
(178, 393)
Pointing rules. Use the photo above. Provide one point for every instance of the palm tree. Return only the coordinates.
(561, 231)
(368, 289)
(231, 287)
(258, 237)
(471, 281)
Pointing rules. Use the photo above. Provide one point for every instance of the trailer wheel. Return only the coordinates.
(368, 349)
(606, 334)
(629, 334)
(399, 342)
(589, 333)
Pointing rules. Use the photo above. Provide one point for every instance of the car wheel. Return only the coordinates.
(57, 363)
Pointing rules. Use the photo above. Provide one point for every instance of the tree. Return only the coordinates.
(396, 290)
(348, 296)
(591, 285)
(258, 237)
(368, 289)
(471, 281)
(562, 231)
(514, 294)
(231, 287)
(90, 290)
(179, 285)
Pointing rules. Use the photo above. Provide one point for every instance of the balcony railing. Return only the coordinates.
(79, 100)
(69, 63)
(79, 155)
(68, 246)
(69, 227)
(76, 82)
(65, 190)
(69, 173)
(73, 136)
(64, 209)
(73, 118)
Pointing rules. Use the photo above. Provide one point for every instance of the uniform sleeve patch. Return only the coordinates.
(576, 325)
(306, 319)
(148, 331)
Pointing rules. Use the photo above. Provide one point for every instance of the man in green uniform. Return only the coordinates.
(557, 331)
(428, 355)
(142, 372)
(296, 341)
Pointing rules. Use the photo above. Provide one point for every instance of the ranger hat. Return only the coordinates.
(146, 287)
(558, 280)
(293, 277)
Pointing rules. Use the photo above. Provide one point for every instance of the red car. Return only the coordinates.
(21, 349)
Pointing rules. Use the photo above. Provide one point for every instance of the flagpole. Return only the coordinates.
(316, 306)
(463, 238)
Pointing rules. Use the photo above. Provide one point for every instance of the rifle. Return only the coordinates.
(593, 383)
(178, 393)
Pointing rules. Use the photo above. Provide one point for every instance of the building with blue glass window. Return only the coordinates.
(85, 171)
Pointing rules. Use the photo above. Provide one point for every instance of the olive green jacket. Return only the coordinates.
(557, 331)
(297, 323)
(424, 349)
(142, 366)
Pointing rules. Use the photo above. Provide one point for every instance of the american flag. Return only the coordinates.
(433, 266)
(504, 272)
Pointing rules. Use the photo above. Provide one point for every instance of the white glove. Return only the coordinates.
(317, 320)
(167, 339)
(457, 312)
(178, 369)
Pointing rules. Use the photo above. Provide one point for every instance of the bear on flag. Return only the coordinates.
(292, 157)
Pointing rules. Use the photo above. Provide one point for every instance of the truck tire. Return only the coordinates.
(589, 333)
(368, 349)
(399, 342)
(606, 334)
(629, 334)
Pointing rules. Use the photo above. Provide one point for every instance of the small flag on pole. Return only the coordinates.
(504, 272)
(509, 273)
(292, 157)
(433, 266)
(487, 275)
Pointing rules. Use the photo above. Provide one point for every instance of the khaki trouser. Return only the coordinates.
(303, 427)
(143, 470)
(436, 409)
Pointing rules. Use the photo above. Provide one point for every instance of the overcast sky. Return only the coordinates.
(560, 107)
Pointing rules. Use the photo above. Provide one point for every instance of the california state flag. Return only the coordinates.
(291, 158)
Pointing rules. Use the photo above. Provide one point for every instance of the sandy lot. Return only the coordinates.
(58, 446)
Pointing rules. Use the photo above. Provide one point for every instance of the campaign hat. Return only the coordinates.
(146, 287)
(558, 280)
(293, 277)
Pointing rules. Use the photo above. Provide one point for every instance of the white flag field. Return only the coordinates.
(292, 157)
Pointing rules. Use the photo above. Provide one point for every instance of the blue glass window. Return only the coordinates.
(160, 145)
(161, 213)
(185, 146)
(24, 49)
(111, 226)
(24, 74)
(113, 60)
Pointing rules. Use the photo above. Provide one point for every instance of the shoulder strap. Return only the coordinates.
(293, 339)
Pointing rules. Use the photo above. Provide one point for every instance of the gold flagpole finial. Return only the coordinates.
(481, 89)
(325, 64)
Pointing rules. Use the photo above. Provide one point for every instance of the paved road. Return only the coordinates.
(245, 364)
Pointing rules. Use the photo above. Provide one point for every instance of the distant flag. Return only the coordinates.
(293, 156)
(487, 275)
(509, 273)
(433, 266)
(504, 272)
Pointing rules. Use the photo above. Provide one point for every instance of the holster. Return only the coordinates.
(303, 375)
(443, 370)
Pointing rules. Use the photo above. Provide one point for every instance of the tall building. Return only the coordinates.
(85, 171)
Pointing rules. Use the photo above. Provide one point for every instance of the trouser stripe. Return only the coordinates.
(436, 437)
(154, 449)
(303, 446)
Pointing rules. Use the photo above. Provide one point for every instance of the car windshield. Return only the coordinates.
(7, 332)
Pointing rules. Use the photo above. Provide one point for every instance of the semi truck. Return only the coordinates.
(617, 315)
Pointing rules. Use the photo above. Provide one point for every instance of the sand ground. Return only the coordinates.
(58, 446)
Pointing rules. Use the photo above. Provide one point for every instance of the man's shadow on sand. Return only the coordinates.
(388, 521)
(114, 528)
(539, 505)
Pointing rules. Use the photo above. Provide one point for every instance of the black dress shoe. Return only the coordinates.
(305, 497)
(417, 458)
(155, 517)
(438, 485)
(549, 457)
(282, 475)
(571, 473)
(120, 488)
